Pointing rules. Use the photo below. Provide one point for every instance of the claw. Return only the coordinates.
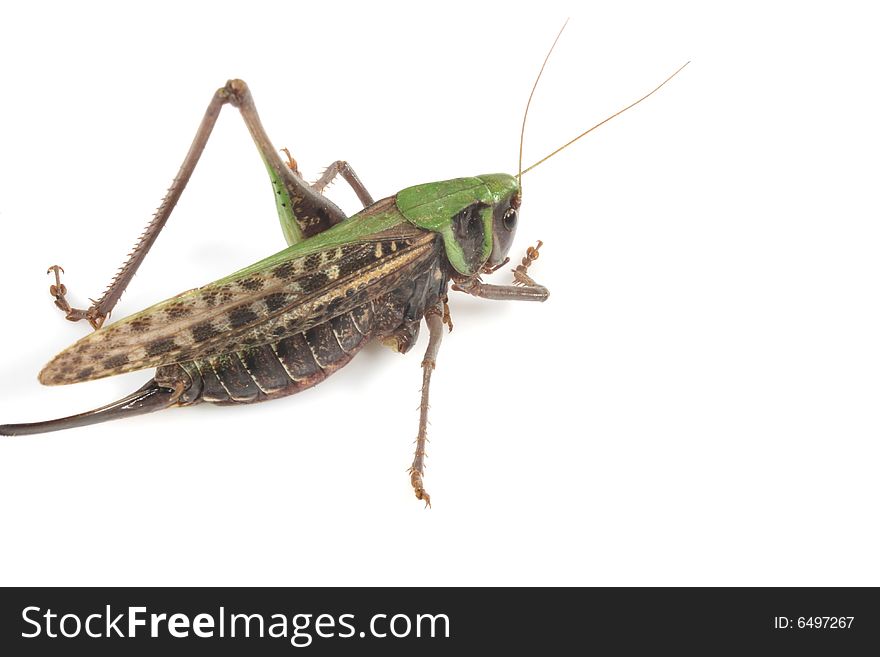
(422, 494)
(59, 291)
(418, 488)
(290, 161)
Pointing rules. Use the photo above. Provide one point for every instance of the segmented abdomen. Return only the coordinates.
(304, 359)
(273, 370)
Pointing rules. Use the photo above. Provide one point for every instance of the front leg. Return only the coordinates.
(523, 288)
(483, 290)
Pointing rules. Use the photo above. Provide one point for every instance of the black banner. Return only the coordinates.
(114, 621)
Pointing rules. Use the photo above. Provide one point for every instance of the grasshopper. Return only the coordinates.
(287, 322)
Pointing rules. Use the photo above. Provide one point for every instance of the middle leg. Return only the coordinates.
(343, 168)
(338, 168)
(434, 320)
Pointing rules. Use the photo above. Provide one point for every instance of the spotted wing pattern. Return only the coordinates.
(256, 308)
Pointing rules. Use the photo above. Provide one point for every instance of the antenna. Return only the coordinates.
(583, 134)
(526, 113)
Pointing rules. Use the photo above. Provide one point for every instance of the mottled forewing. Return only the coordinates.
(256, 308)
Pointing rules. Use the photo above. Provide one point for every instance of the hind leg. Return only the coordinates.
(302, 210)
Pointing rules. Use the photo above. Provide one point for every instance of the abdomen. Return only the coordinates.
(302, 360)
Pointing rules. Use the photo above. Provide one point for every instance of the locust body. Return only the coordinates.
(285, 323)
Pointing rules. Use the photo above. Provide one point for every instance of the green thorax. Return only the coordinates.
(434, 206)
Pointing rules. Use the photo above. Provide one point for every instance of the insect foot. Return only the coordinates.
(59, 291)
(291, 163)
(415, 478)
(520, 277)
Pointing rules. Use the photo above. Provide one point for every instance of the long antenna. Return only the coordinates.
(583, 134)
(522, 133)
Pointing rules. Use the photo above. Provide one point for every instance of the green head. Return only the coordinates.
(476, 217)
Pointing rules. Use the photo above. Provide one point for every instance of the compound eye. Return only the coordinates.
(509, 219)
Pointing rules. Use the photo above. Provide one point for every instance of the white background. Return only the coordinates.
(695, 404)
